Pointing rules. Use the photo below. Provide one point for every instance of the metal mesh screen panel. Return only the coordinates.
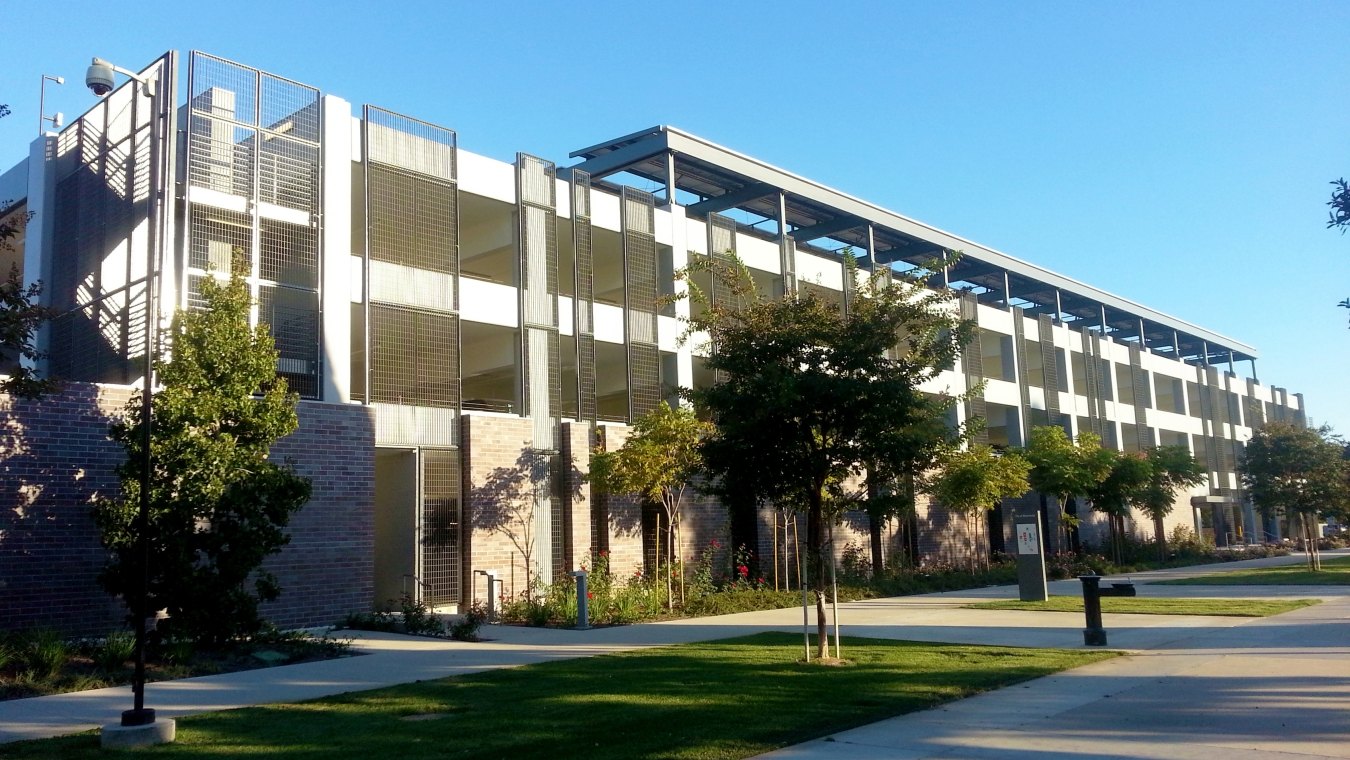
(442, 520)
(412, 220)
(415, 357)
(1049, 366)
(254, 159)
(1141, 396)
(101, 208)
(1020, 355)
(584, 301)
(397, 140)
(640, 294)
(412, 263)
(538, 267)
(292, 317)
(972, 362)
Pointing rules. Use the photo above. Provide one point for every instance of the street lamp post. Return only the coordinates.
(100, 80)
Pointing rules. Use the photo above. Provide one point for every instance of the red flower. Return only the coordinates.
(715, 544)
(590, 594)
(743, 570)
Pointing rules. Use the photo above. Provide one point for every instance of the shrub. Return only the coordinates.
(418, 619)
(466, 627)
(43, 653)
(115, 650)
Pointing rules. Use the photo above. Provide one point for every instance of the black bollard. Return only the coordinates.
(1094, 635)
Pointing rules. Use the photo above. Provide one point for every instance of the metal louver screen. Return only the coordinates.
(442, 521)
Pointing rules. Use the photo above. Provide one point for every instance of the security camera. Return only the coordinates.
(99, 77)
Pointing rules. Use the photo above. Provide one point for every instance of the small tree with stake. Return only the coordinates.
(1065, 468)
(974, 481)
(659, 460)
(807, 392)
(1171, 468)
(217, 506)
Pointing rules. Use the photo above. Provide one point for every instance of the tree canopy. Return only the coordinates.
(218, 506)
(1065, 468)
(1171, 468)
(1299, 473)
(974, 481)
(809, 393)
(659, 460)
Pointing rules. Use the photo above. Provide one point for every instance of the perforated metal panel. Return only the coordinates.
(441, 526)
(584, 302)
(254, 175)
(1096, 377)
(640, 295)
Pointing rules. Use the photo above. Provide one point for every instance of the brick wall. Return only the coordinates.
(57, 460)
(328, 570)
(497, 490)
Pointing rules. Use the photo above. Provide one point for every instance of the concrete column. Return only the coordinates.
(336, 249)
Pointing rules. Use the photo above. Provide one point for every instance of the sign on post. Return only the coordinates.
(1031, 584)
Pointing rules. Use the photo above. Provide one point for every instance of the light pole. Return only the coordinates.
(43, 118)
(100, 80)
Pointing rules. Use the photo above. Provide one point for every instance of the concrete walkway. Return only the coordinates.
(1192, 687)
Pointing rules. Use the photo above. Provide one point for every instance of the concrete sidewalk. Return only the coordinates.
(1307, 653)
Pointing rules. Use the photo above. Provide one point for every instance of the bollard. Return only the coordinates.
(583, 614)
(1094, 635)
(492, 584)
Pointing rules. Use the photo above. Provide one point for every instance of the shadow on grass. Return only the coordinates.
(729, 698)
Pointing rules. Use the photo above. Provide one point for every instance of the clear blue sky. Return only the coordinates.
(1176, 154)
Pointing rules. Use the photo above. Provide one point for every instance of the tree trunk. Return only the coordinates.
(1160, 538)
(816, 566)
(874, 525)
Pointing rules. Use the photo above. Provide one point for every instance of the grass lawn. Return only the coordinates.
(1335, 572)
(1140, 606)
(723, 699)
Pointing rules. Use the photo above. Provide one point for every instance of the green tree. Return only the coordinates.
(1064, 468)
(659, 460)
(1340, 206)
(1172, 469)
(973, 481)
(807, 394)
(1298, 473)
(20, 318)
(1124, 486)
(218, 507)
